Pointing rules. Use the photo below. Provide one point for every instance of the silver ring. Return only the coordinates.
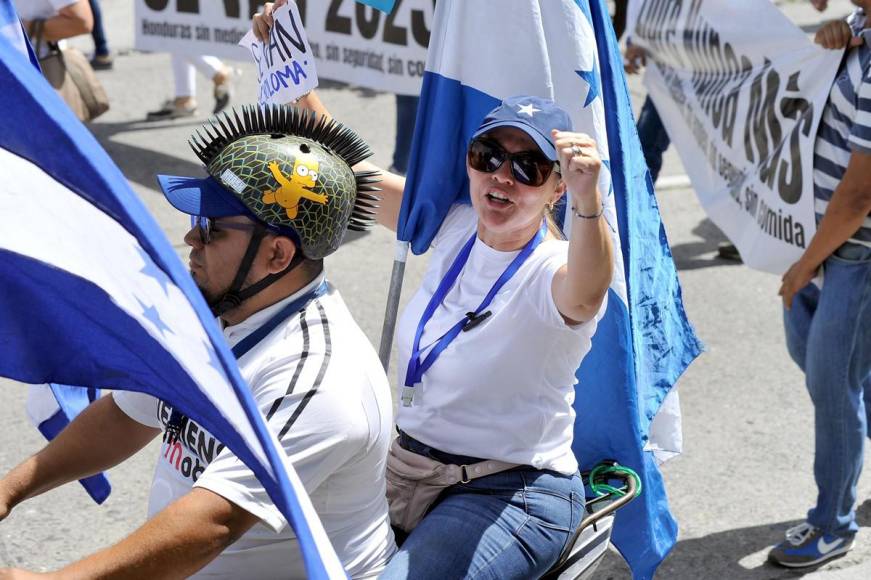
(577, 151)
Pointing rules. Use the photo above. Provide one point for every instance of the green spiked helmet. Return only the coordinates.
(291, 169)
(287, 169)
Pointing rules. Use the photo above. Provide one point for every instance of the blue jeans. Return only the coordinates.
(653, 136)
(828, 334)
(512, 524)
(406, 113)
(101, 47)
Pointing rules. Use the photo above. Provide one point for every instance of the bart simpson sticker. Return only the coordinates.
(291, 191)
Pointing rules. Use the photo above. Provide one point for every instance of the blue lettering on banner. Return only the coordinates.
(282, 44)
(278, 80)
(285, 69)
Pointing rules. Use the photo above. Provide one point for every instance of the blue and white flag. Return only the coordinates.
(481, 52)
(51, 408)
(94, 294)
(12, 30)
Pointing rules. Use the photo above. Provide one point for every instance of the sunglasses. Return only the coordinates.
(207, 226)
(528, 167)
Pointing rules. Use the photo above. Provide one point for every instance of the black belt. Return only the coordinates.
(409, 443)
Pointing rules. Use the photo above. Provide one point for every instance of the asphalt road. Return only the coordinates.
(745, 474)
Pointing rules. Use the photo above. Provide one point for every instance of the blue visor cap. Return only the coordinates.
(201, 196)
(208, 198)
(534, 116)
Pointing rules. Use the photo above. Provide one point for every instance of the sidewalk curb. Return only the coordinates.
(672, 182)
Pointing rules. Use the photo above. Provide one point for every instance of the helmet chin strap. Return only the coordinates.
(235, 296)
(231, 299)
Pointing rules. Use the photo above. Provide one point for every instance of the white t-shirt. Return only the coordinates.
(503, 390)
(319, 367)
(41, 9)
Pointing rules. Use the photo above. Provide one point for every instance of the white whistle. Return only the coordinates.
(407, 396)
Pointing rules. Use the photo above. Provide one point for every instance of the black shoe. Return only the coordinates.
(170, 111)
(223, 92)
(729, 252)
(102, 62)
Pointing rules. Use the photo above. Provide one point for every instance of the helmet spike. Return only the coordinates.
(271, 149)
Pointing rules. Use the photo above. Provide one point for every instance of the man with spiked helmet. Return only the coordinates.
(289, 170)
(279, 196)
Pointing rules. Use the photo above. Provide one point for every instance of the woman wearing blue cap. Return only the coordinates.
(488, 349)
(482, 481)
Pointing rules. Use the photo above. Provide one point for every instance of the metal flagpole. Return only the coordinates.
(392, 307)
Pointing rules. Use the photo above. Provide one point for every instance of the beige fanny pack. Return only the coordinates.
(414, 482)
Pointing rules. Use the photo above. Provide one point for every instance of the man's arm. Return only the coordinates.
(847, 210)
(837, 35)
(101, 437)
(175, 543)
(391, 185)
(70, 21)
(634, 58)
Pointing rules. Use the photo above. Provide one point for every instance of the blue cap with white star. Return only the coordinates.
(534, 116)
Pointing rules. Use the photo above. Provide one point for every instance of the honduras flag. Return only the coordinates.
(481, 52)
(51, 408)
(13, 31)
(93, 293)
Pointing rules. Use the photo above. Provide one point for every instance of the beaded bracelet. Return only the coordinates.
(589, 217)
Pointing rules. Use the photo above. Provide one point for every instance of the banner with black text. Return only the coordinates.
(350, 42)
(741, 91)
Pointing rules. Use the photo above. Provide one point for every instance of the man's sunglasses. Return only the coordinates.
(528, 167)
(207, 226)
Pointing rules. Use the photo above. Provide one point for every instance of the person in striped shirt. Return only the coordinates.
(828, 323)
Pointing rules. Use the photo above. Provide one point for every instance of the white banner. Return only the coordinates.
(350, 42)
(741, 91)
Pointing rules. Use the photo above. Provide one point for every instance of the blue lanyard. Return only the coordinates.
(250, 341)
(416, 367)
(176, 418)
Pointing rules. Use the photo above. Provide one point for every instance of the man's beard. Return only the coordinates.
(210, 297)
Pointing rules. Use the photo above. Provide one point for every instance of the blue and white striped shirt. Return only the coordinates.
(846, 124)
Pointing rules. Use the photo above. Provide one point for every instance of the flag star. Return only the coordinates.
(593, 83)
(152, 315)
(151, 270)
(528, 109)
